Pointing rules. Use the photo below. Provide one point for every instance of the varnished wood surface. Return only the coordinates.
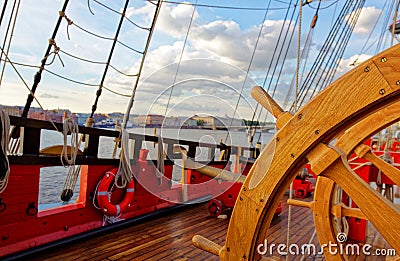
(170, 238)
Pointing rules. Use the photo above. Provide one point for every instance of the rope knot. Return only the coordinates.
(56, 51)
(69, 22)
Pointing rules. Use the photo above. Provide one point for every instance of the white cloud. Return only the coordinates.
(367, 20)
(346, 65)
(172, 20)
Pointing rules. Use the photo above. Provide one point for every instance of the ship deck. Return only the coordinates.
(169, 238)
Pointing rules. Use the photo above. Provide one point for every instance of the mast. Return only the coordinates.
(132, 99)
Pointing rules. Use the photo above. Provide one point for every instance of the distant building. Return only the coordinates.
(12, 110)
(172, 122)
(81, 118)
(150, 120)
(217, 122)
(188, 122)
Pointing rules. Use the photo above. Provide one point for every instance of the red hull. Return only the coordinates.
(22, 227)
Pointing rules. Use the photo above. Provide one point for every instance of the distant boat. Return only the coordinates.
(108, 123)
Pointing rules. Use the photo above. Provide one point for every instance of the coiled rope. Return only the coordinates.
(70, 127)
(124, 173)
(5, 165)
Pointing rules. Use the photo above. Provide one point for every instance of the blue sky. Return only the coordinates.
(215, 59)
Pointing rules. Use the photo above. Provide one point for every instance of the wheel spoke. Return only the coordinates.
(382, 213)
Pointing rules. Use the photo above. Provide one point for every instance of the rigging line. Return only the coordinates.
(227, 7)
(132, 99)
(130, 48)
(249, 67)
(180, 59)
(372, 31)
(90, 9)
(81, 59)
(325, 49)
(325, 7)
(38, 74)
(115, 92)
(91, 33)
(98, 93)
(384, 24)
(69, 79)
(22, 64)
(87, 60)
(281, 51)
(297, 90)
(70, 22)
(117, 12)
(273, 56)
(8, 28)
(35, 66)
(72, 80)
(332, 64)
(342, 46)
(276, 48)
(283, 61)
(3, 11)
(285, 56)
(86, 84)
(306, 53)
(135, 24)
(329, 42)
(334, 14)
(121, 72)
(29, 89)
(10, 39)
(395, 13)
(6, 34)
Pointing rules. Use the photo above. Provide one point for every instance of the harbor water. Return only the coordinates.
(52, 178)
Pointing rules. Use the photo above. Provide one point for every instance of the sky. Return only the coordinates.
(198, 70)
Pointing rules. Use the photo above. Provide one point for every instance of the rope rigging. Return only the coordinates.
(132, 99)
(385, 22)
(303, 57)
(325, 65)
(70, 127)
(98, 93)
(115, 39)
(300, 17)
(395, 13)
(277, 81)
(119, 13)
(14, 140)
(3, 11)
(226, 7)
(364, 48)
(278, 44)
(180, 60)
(72, 80)
(15, 14)
(249, 67)
(124, 172)
(38, 75)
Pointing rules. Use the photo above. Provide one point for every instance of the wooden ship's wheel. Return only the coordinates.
(323, 133)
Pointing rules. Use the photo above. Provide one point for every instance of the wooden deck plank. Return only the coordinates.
(169, 238)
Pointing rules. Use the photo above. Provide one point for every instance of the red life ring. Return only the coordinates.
(104, 195)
